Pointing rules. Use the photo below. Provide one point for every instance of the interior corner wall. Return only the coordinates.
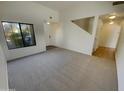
(25, 12)
(119, 56)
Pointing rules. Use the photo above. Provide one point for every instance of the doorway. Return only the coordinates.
(107, 35)
(50, 34)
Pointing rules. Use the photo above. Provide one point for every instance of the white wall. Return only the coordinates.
(27, 12)
(73, 37)
(109, 35)
(119, 55)
(3, 71)
(97, 37)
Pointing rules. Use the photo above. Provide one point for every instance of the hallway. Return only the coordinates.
(105, 52)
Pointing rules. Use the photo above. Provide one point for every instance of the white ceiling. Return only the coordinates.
(60, 5)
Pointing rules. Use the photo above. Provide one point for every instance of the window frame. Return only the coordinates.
(19, 23)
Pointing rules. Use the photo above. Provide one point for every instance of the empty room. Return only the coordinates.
(62, 45)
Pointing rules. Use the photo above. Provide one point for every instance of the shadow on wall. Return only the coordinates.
(84, 23)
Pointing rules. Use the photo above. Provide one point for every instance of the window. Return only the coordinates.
(28, 34)
(18, 35)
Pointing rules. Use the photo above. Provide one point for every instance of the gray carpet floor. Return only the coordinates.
(62, 70)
